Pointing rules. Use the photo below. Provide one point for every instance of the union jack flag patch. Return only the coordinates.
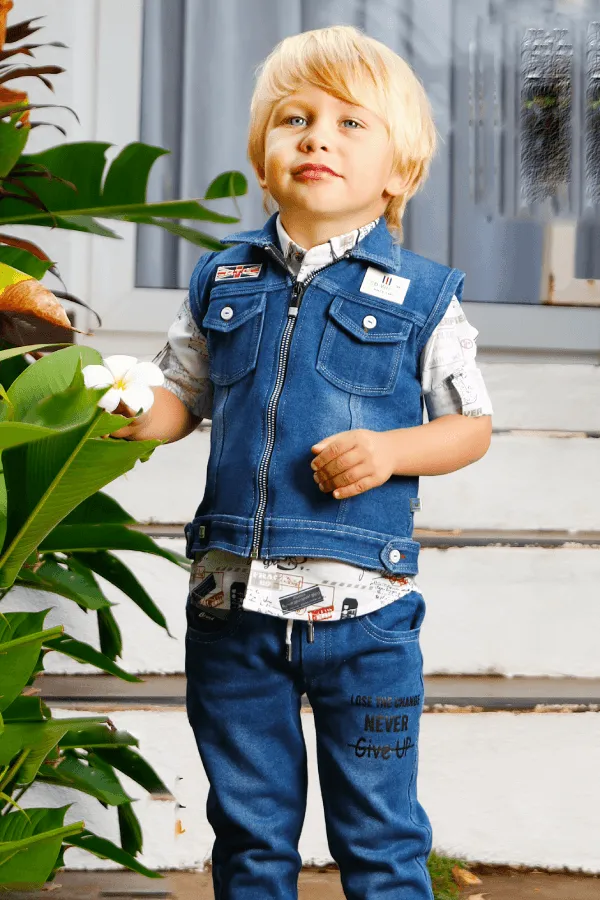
(224, 273)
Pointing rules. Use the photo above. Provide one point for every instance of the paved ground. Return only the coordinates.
(498, 884)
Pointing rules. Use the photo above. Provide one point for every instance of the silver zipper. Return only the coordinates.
(298, 289)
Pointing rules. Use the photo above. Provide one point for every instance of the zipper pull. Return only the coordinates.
(297, 291)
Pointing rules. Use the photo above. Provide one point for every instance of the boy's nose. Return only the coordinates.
(317, 137)
(311, 143)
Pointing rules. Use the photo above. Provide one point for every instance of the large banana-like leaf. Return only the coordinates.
(18, 351)
(105, 849)
(48, 478)
(50, 375)
(33, 741)
(109, 633)
(60, 578)
(99, 509)
(85, 653)
(116, 572)
(25, 708)
(94, 737)
(86, 191)
(77, 538)
(97, 781)
(30, 842)
(134, 766)
(130, 830)
(21, 637)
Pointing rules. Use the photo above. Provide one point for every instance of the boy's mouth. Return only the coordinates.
(312, 170)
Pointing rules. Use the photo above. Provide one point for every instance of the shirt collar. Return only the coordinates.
(376, 248)
(296, 256)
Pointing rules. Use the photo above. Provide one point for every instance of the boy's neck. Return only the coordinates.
(309, 231)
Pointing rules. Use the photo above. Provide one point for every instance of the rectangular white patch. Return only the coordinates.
(381, 284)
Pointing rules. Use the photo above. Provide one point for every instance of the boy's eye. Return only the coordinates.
(291, 118)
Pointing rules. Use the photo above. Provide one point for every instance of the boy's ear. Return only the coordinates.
(260, 174)
(396, 184)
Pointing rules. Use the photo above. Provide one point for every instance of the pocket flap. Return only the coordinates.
(242, 306)
(389, 325)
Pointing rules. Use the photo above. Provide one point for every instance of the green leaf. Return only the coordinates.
(19, 351)
(105, 849)
(35, 740)
(10, 369)
(50, 375)
(98, 782)
(14, 433)
(12, 142)
(229, 184)
(30, 843)
(84, 653)
(129, 173)
(98, 509)
(117, 195)
(77, 538)
(98, 737)
(25, 261)
(132, 840)
(74, 406)
(111, 640)
(130, 763)
(25, 709)
(66, 581)
(199, 238)
(45, 480)
(116, 572)
(21, 639)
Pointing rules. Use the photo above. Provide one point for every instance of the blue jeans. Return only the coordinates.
(364, 679)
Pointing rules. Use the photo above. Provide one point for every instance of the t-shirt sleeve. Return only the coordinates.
(184, 363)
(451, 381)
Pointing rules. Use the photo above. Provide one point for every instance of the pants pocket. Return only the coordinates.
(399, 620)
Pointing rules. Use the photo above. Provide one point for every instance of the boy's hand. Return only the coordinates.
(351, 462)
(127, 430)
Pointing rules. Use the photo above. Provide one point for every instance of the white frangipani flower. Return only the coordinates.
(130, 382)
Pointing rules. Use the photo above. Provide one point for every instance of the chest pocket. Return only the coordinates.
(362, 346)
(234, 323)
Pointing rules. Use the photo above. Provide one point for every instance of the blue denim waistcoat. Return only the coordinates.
(293, 363)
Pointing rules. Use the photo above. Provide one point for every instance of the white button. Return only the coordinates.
(226, 312)
(394, 555)
(369, 321)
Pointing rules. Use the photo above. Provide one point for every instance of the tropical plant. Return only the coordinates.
(58, 531)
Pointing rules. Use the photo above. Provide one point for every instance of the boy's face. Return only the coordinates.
(311, 126)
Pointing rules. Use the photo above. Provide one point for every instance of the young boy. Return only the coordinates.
(310, 344)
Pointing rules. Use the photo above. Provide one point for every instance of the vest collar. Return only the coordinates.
(376, 247)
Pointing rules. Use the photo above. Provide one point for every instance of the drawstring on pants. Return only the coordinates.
(310, 627)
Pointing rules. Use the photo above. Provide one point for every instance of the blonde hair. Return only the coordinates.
(353, 67)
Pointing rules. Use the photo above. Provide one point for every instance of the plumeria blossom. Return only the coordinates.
(129, 380)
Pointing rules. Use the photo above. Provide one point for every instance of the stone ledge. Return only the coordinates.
(443, 693)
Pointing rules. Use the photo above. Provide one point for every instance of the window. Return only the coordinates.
(183, 74)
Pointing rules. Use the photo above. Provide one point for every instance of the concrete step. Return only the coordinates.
(507, 770)
(313, 884)
(491, 610)
(476, 693)
(507, 489)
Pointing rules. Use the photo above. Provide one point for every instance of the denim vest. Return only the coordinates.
(295, 362)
